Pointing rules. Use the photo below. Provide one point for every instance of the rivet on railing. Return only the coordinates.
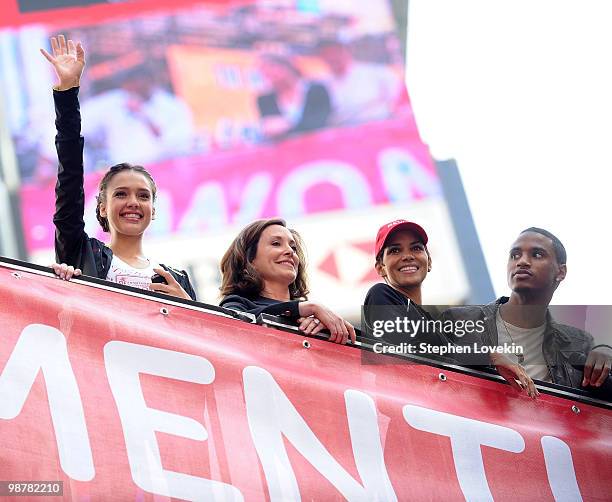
(164, 311)
(442, 377)
(306, 344)
(575, 409)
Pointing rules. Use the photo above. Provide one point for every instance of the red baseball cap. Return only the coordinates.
(387, 228)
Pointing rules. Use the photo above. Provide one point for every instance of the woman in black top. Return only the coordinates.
(125, 203)
(403, 261)
(263, 271)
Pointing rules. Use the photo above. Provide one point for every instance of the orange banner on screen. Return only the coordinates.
(221, 86)
(130, 397)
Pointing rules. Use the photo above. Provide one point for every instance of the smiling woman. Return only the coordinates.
(403, 261)
(264, 271)
(125, 202)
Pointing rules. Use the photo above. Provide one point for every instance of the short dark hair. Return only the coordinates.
(240, 277)
(558, 246)
(112, 171)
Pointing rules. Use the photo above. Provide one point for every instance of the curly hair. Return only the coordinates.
(113, 170)
(240, 277)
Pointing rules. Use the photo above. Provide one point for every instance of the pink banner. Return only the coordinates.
(122, 400)
(320, 172)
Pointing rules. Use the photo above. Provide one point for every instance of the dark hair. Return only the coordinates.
(113, 170)
(239, 276)
(558, 246)
(282, 61)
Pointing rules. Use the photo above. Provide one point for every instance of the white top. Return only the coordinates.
(531, 340)
(122, 273)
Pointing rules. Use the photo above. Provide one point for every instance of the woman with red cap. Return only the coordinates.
(403, 261)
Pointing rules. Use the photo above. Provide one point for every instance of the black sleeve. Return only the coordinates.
(317, 109)
(384, 305)
(381, 294)
(289, 310)
(189, 288)
(69, 194)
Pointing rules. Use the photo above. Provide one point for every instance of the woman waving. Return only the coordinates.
(125, 201)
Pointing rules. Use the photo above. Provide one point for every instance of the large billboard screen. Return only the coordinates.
(240, 110)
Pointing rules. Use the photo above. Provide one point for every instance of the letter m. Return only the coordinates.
(44, 348)
(271, 416)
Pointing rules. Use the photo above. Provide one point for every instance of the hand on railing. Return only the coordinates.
(316, 317)
(65, 272)
(172, 287)
(514, 374)
(597, 366)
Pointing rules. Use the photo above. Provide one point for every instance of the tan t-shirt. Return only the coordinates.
(531, 340)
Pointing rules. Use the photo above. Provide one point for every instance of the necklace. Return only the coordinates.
(520, 357)
(139, 259)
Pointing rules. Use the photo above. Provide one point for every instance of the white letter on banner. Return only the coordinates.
(271, 414)
(466, 437)
(44, 348)
(124, 361)
(560, 469)
(353, 185)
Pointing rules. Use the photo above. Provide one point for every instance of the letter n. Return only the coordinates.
(271, 416)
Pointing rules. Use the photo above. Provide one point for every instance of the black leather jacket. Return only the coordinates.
(72, 244)
(560, 342)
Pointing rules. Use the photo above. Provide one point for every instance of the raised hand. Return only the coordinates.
(68, 60)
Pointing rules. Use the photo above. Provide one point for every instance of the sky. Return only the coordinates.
(519, 94)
